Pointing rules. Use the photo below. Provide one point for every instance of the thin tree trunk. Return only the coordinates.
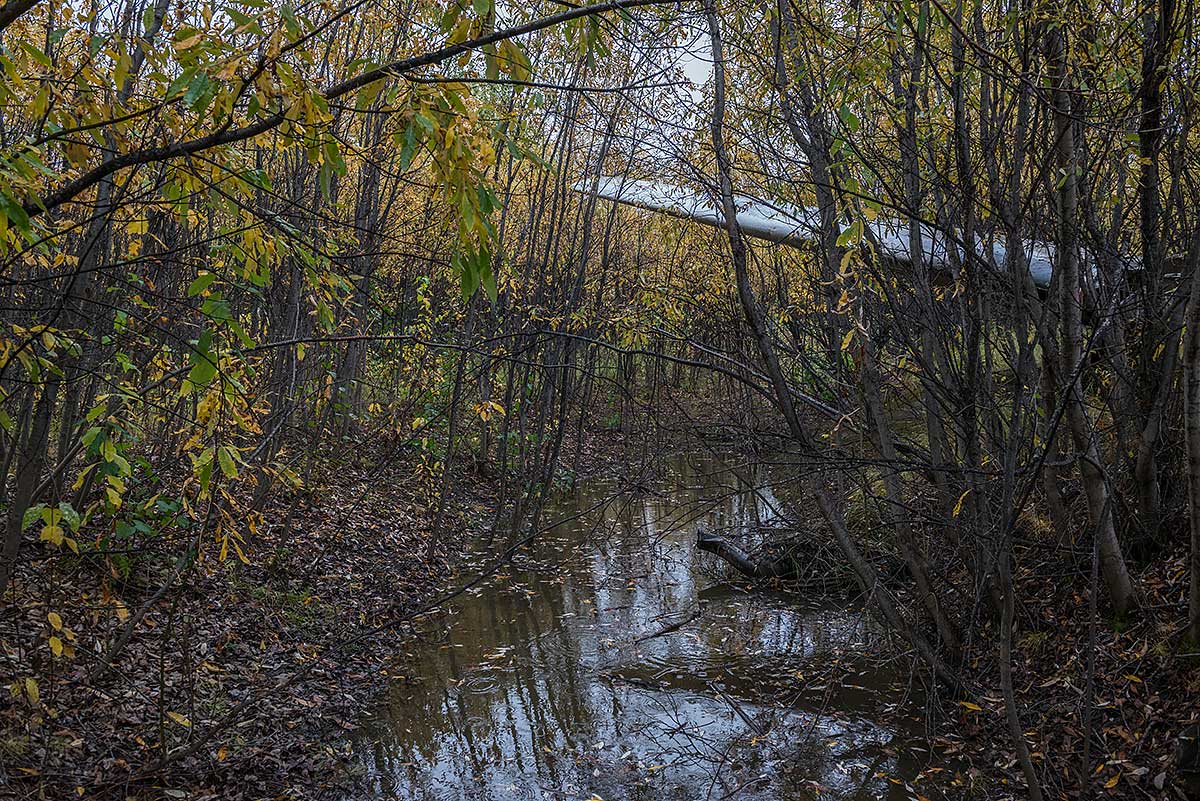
(31, 461)
(1191, 422)
(1091, 468)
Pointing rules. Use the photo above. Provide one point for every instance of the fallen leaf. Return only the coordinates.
(180, 719)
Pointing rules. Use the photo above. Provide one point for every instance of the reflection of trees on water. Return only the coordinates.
(538, 666)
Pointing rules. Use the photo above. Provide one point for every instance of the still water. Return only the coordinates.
(614, 660)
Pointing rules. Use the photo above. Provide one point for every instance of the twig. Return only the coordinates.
(671, 628)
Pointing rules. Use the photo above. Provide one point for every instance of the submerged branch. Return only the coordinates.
(742, 561)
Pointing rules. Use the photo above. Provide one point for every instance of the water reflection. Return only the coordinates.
(612, 661)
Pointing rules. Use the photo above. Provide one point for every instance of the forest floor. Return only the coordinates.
(316, 607)
(1127, 685)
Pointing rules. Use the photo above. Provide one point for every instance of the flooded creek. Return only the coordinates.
(613, 659)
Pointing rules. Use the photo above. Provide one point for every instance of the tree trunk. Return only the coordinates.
(31, 461)
(1191, 423)
(1091, 468)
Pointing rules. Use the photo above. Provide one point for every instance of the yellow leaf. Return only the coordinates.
(846, 339)
(1111, 783)
(221, 754)
(845, 265)
(52, 533)
(958, 506)
(1133, 678)
(82, 477)
(968, 704)
(55, 620)
(56, 646)
(180, 719)
(189, 42)
(31, 690)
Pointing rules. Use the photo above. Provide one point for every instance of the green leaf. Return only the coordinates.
(216, 309)
(15, 212)
(289, 18)
(491, 63)
(36, 54)
(204, 363)
(200, 284)
(324, 177)
(32, 515)
(849, 119)
(488, 279)
(70, 515)
(334, 156)
(197, 88)
(469, 275)
(182, 80)
(225, 457)
(204, 473)
(409, 147)
(450, 17)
